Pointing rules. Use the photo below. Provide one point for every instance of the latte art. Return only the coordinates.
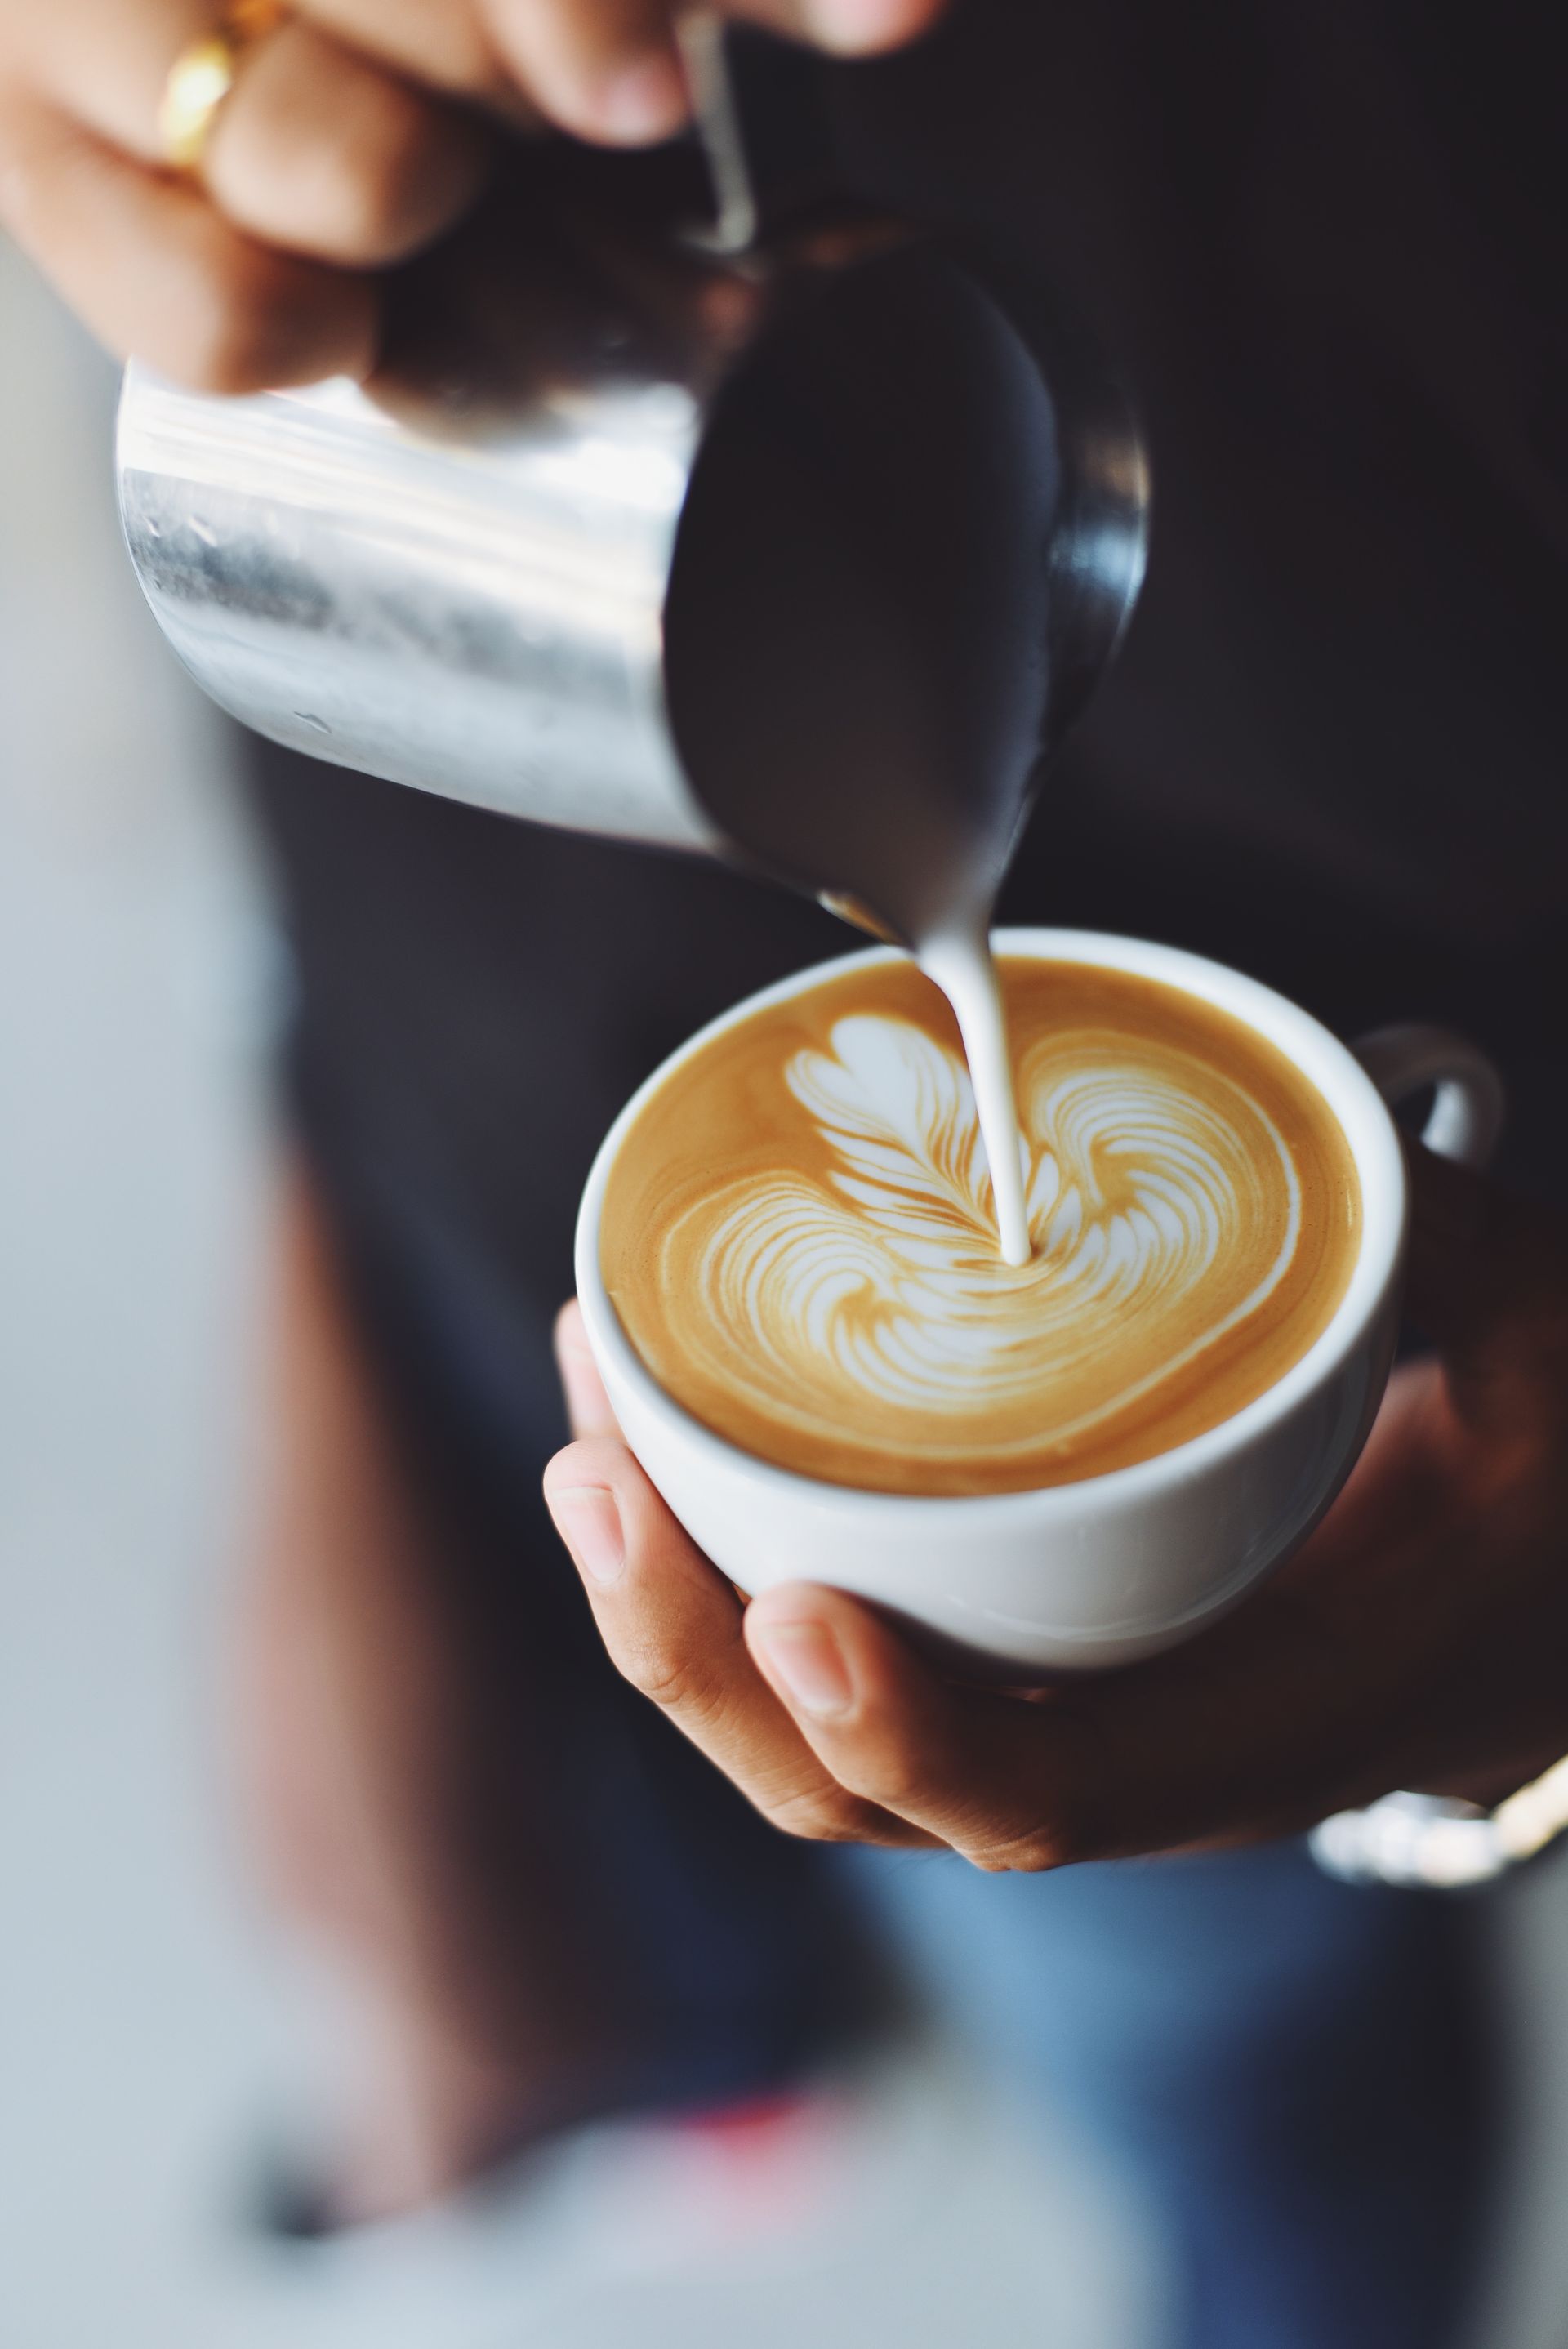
(833, 1297)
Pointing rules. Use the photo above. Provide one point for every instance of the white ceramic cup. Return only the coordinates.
(1114, 1566)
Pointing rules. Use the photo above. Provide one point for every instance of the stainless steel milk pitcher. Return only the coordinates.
(775, 545)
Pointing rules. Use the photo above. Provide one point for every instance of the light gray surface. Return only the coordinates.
(148, 2024)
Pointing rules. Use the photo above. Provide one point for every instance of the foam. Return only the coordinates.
(825, 1288)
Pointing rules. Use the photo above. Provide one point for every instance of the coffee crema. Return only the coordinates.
(799, 1239)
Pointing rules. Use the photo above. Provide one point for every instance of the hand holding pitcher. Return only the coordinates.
(214, 188)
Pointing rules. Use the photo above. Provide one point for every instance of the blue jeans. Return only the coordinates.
(1291, 2075)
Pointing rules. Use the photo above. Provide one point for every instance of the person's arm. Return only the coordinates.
(356, 132)
(1420, 1640)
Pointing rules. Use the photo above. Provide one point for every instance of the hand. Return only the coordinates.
(1420, 1638)
(354, 135)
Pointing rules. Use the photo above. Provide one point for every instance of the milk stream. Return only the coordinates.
(959, 960)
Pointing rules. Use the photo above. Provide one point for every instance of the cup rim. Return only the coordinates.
(1312, 1050)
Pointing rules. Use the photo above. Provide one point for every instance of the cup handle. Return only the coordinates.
(1466, 1116)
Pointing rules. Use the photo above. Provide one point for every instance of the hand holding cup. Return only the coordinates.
(1416, 1641)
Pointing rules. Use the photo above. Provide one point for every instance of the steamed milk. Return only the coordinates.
(799, 1234)
(962, 966)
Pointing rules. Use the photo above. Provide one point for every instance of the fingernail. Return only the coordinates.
(808, 1662)
(643, 102)
(856, 24)
(589, 1523)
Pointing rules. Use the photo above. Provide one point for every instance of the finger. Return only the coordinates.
(849, 28)
(587, 1404)
(322, 151)
(152, 267)
(459, 45)
(316, 148)
(672, 1626)
(1241, 1734)
(447, 44)
(609, 69)
(106, 66)
(991, 1777)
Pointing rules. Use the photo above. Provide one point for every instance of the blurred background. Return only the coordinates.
(159, 2040)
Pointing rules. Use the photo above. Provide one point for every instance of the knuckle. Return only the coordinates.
(1031, 1853)
(677, 1683)
(1032, 1847)
(823, 1816)
(892, 1767)
(360, 184)
(373, 180)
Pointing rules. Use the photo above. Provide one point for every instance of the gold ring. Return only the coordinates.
(203, 75)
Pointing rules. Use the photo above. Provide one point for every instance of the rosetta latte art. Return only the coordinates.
(885, 1286)
(799, 1239)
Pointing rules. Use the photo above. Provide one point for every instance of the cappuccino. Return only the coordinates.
(798, 1234)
